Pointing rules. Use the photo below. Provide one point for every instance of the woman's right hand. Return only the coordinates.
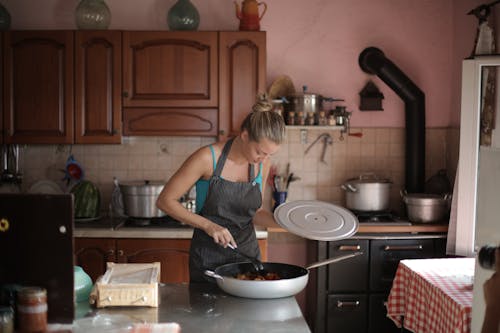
(221, 235)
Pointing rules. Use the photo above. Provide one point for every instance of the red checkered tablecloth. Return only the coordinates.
(432, 295)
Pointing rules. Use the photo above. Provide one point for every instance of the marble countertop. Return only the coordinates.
(116, 228)
(205, 308)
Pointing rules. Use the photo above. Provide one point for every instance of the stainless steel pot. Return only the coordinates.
(139, 198)
(426, 208)
(368, 193)
(307, 102)
(293, 278)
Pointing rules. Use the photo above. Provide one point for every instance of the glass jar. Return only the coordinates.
(290, 119)
(310, 118)
(32, 309)
(300, 120)
(278, 106)
(183, 15)
(6, 320)
(92, 14)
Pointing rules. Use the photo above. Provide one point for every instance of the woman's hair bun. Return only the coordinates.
(263, 104)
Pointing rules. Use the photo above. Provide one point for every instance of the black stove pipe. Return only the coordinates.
(373, 61)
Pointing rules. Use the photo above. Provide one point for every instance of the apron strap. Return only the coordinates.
(222, 158)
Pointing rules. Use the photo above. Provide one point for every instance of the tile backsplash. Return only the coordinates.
(379, 150)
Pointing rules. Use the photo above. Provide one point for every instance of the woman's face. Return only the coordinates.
(257, 152)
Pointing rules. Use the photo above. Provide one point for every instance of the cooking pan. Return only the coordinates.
(292, 278)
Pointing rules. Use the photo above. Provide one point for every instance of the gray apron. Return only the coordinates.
(231, 205)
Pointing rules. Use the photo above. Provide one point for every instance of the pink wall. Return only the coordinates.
(317, 43)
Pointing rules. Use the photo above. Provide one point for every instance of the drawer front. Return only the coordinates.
(347, 313)
(386, 254)
(377, 315)
(350, 275)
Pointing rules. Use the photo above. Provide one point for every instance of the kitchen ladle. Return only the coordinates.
(257, 264)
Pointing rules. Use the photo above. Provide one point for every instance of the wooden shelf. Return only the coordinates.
(313, 127)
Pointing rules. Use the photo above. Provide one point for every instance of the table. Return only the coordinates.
(432, 295)
(205, 308)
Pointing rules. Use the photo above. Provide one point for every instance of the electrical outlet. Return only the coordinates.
(303, 136)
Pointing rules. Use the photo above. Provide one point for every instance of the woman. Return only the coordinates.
(229, 178)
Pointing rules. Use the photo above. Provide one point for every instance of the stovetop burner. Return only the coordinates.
(380, 218)
(154, 222)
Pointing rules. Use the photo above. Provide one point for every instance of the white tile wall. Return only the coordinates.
(380, 150)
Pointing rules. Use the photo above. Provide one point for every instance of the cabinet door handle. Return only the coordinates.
(403, 247)
(111, 252)
(120, 253)
(125, 94)
(349, 247)
(342, 304)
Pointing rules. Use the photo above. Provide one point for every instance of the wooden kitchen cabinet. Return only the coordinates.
(170, 83)
(38, 86)
(92, 254)
(242, 75)
(98, 86)
(170, 69)
(63, 86)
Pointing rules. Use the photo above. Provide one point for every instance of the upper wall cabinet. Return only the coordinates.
(169, 69)
(98, 86)
(62, 87)
(242, 75)
(38, 86)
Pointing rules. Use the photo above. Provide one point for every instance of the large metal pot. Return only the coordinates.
(368, 193)
(139, 198)
(426, 208)
(293, 278)
(307, 102)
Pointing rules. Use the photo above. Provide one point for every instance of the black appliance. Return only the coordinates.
(380, 218)
(36, 242)
(153, 222)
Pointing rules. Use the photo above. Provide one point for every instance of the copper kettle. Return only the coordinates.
(249, 14)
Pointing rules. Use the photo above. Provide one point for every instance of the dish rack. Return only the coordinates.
(127, 285)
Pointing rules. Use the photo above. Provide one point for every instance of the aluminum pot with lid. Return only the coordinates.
(139, 198)
(425, 207)
(367, 193)
(307, 102)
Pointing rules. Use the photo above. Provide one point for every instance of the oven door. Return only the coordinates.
(386, 254)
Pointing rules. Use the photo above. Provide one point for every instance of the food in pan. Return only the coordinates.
(258, 277)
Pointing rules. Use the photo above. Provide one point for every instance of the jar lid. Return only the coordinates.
(31, 292)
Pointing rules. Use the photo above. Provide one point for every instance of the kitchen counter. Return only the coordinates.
(367, 228)
(115, 228)
(205, 308)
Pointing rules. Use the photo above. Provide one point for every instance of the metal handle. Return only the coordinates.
(341, 304)
(125, 94)
(330, 261)
(215, 276)
(349, 247)
(349, 188)
(403, 247)
(111, 252)
(120, 253)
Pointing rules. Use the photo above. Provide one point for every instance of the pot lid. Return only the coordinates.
(316, 220)
(369, 178)
(142, 187)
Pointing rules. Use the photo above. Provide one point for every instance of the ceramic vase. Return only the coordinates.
(4, 18)
(83, 284)
(183, 15)
(92, 14)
